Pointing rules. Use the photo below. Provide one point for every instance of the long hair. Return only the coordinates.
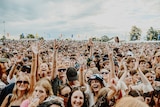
(15, 89)
(45, 83)
(85, 100)
(157, 74)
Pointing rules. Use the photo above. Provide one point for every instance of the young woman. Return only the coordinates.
(20, 92)
(157, 71)
(41, 92)
(77, 98)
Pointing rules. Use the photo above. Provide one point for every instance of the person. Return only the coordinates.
(149, 75)
(64, 93)
(72, 77)
(157, 71)
(20, 92)
(43, 70)
(24, 85)
(156, 96)
(58, 75)
(105, 75)
(77, 98)
(96, 84)
(41, 92)
(156, 59)
(130, 102)
(52, 101)
(3, 73)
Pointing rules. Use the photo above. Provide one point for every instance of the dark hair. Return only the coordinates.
(49, 103)
(135, 93)
(85, 100)
(133, 72)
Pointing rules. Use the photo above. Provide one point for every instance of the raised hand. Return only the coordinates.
(56, 44)
(34, 48)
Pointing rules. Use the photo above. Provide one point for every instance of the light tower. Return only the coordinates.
(4, 28)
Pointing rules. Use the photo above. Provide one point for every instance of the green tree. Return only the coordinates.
(30, 36)
(40, 38)
(152, 34)
(105, 38)
(3, 38)
(135, 33)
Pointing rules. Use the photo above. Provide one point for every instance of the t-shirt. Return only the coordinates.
(7, 90)
(25, 103)
(56, 83)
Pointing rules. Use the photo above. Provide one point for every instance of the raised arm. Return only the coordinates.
(143, 77)
(111, 62)
(90, 44)
(14, 66)
(125, 72)
(113, 89)
(54, 60)
(35, 51)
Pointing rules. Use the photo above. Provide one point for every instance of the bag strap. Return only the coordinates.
(9, 98)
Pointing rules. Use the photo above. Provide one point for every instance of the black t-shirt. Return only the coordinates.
(157, 79)
(7, 90)
(56, 83)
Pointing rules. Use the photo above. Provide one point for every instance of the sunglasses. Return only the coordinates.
(24, 82)
(104, 72)
(26, 69)
(62, 70)
(65, 95)
(81, 88)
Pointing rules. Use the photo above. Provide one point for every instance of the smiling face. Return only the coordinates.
(43, 69)
(150, 77)
(95, 85)
(22, 83)
(77, 99)
(105, 74)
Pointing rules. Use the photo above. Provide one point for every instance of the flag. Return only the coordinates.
(22, 35)
(61, 35)
(159, 37)
(7, 34)
(36, 36)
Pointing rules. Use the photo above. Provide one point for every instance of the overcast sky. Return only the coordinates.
(86, 18)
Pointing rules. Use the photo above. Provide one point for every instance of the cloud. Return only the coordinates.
(80, 17)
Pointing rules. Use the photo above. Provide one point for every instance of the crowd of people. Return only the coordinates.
(68, 73)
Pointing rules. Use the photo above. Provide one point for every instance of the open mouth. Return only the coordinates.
(95, 87)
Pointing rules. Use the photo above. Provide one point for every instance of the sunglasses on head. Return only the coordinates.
(81, 88)
(24, 82)
(62, 70)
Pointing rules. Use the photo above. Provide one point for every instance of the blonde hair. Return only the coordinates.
(130, 102)
(45, 83)
(15, 90)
